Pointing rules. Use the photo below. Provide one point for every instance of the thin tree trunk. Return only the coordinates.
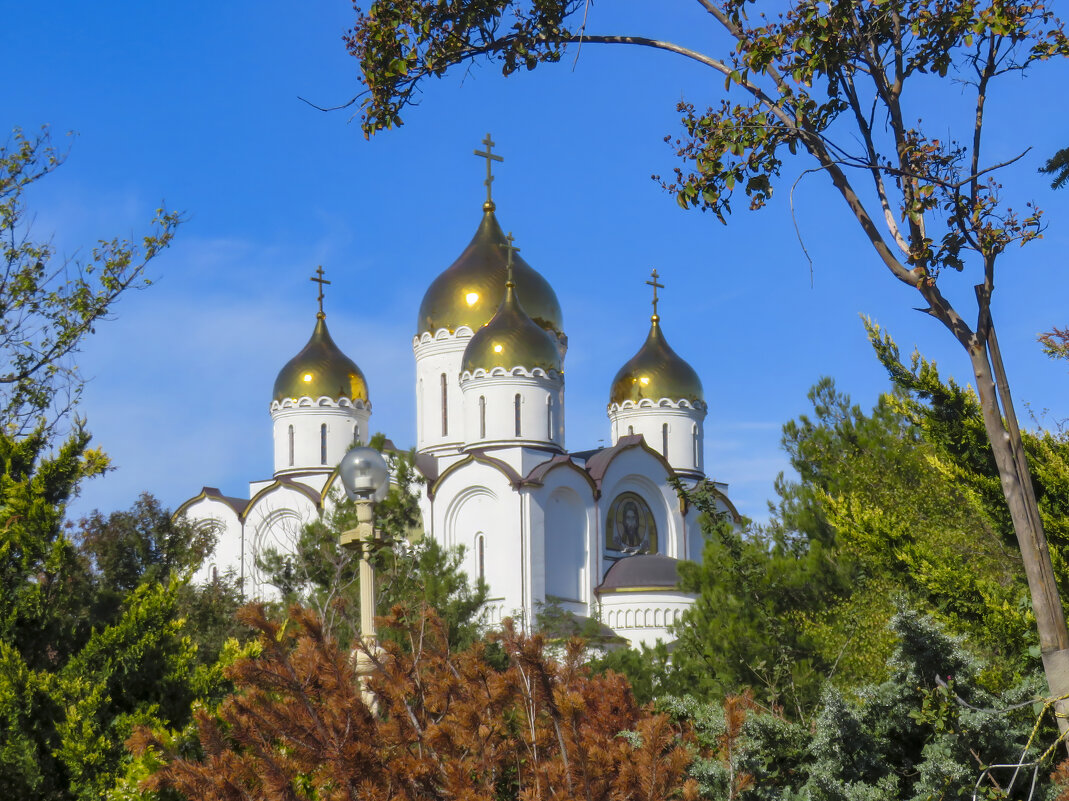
(1012, 465)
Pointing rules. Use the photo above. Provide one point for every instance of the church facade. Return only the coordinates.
(598, 532)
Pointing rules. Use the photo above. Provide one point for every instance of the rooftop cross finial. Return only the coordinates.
(508, 265)
(319, 279)
(655, 286)
(490, 156)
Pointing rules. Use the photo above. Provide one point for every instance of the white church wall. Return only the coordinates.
(219, 518)
(313, 434)
(674, 430)
(516, 408)
(644, 617)
(437, 356)
(476, 501)
(274, 519)
(565, 526)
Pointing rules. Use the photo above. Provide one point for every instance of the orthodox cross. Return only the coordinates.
(508, 266)
(655, 286)
(490, 156)
(320, 280)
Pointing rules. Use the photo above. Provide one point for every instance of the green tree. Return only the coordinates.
(1058, 166)
(48, 305)
(833, 81)
(929, 730)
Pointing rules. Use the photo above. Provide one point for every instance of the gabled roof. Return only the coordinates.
(514, 478)
(598, 464)
(238, 505)
(537, 476)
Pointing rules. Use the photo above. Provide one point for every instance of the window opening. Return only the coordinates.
(664, 440)
(517, 405)
(445, 408)
(323, 444)
(291, 445)
(481, 547)
(482, 417)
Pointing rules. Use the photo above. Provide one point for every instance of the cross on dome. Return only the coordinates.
(655, 286)
(490, 156)
(508, 265)
(319, 279)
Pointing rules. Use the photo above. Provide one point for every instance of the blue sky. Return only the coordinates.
(200, 108)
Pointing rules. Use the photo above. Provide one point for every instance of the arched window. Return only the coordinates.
(630, 430)
(420, 411)
(445, 408)
(549, 417)
(664, 440)
(482, 417)
(516, 403)
(356, 433)
(480, 554)
(694, 434)
(323, 444)
(291, 445)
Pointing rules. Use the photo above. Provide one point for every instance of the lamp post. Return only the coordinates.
(366, 478)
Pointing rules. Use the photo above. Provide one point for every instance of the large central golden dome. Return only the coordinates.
(656, 372)
(511, 339)
(468, 293)
(321, 369)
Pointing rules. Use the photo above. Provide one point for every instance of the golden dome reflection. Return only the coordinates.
(320, 369)
(656, 372)
(511, 339)
(469, 291)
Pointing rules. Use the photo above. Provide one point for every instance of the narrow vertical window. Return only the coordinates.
(694, 433)
(291, 445)
(420, 411)
(664, 440)
(323, 444)
(445, 408)
(482, 417)
(549, 417)
(481, 548)
(630, 430)
(516, 403)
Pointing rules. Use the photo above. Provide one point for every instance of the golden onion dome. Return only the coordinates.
(656, 372)
(468, 292)
(321, 369)
(511, 339)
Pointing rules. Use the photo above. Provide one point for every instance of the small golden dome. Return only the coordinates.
(468, 292)
(656, 372)
(321, 369)
(511, 339)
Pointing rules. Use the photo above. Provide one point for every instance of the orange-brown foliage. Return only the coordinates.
(448, 726)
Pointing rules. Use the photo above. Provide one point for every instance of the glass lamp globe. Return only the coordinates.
(364, 474)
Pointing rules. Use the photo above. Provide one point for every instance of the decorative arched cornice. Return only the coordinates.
(663, 403)
(598, 464)
(442, 334)
(521, 372)
(284, 482)
(536, 477)
(515, 479)
(237, 505)
(324, 401)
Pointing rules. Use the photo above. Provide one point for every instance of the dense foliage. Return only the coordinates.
(497, 720)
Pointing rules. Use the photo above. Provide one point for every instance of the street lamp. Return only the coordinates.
(366, 478)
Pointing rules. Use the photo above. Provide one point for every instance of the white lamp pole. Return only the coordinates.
(366, 478)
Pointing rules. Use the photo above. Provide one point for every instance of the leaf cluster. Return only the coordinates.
(48, 305)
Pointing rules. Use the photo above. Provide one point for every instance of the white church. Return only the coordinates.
(598, 532)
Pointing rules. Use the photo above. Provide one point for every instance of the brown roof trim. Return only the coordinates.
(237, 505)
(536, 478)
(304, 489)
(506, 469)
(598, 464)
